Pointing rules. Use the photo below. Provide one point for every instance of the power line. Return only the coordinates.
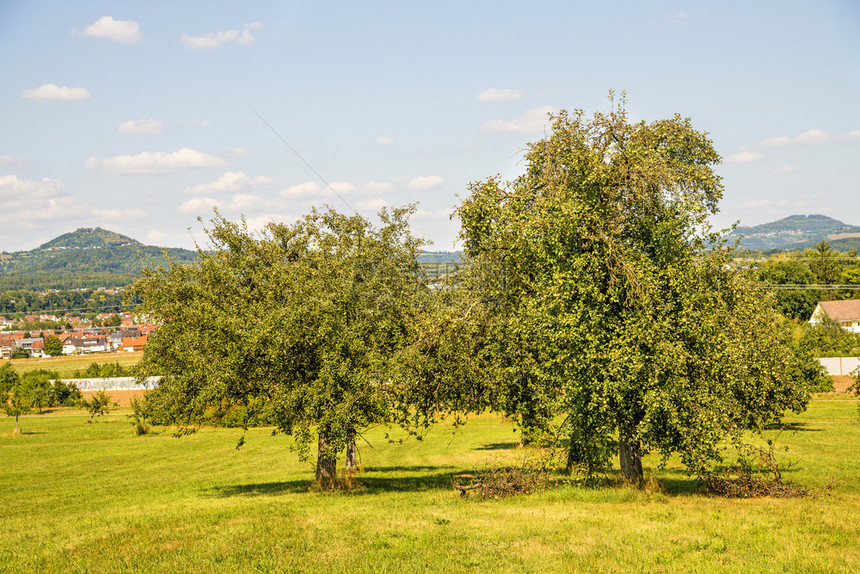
(310, 167)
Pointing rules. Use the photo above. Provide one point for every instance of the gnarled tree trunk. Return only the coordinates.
(351, 453)
(630, 458)
(326, 465)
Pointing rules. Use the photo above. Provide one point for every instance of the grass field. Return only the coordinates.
(68, 364)
(79, 497)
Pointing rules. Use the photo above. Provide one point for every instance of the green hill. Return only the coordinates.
(85, 258)
(86, 237)
(795, 232)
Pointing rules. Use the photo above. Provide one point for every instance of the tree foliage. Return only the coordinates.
(615, 305)
(98, 404)
(794, 303)
(296, 326)
(53, 346)
(827, 338)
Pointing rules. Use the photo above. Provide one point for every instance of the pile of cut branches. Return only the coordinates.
(495, 481)
(758, 473)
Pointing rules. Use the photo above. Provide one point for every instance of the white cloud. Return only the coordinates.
(372, 204)
(745, 157)
(236, 152)
(14, 162)
(199, 206)
(155, 235)
(216, 39)
(342, 187)
(809, 137)
(311, 189)
(247, 202)
(230, 181)
(14, 187)
(384, 140)
(50, 209)
(377, 187)
(676, 17)
(261, 221)
(155, 162)
(440, 214)
(141, 127)
(533, 120)
(783, 169)
(307, 189)
(426, 183)
(123, 31)
(130, 214)
(500, 95)
(53, 92)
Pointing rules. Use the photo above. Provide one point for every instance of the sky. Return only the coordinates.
(140, 117)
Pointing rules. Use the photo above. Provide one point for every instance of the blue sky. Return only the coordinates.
(140, 116)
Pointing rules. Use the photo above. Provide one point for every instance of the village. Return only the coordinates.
(105, 333)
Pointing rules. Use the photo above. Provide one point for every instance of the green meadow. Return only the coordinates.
(66, 366)
(77, 497)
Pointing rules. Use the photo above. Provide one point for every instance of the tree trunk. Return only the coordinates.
(576, 457)
(16, 432)
(351, 453)
(326, 464)
(631, 461)
(530, 430)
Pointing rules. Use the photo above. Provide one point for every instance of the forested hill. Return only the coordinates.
(86, 237)
(86, 258)
(798, 232)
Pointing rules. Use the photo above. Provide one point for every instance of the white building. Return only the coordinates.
(846, 313)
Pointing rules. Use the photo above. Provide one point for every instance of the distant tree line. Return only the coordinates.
(34, 391)
(816, 266)
(17, 303)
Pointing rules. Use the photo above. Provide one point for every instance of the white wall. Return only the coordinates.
(839, 365)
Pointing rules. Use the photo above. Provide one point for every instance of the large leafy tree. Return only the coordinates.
(296, 326)
(600, 271)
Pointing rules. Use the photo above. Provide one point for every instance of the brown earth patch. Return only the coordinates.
(842, 382)
(122, 398)
(846, 235)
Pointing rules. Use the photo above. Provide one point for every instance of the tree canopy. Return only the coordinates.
(614, 302)
(296, 326)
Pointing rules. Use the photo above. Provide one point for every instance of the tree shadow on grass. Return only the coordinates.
(403, 468)
(792, 426)
(499, 446)
(259, 489)
(371, 481)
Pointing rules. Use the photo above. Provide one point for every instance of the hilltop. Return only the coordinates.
(798, 232)
(85, 258)
(86, 237)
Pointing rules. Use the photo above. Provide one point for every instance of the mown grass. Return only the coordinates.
(79, 497)
(66, 365)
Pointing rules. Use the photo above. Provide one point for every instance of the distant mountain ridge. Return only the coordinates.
(797, 232)
(84, 258)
